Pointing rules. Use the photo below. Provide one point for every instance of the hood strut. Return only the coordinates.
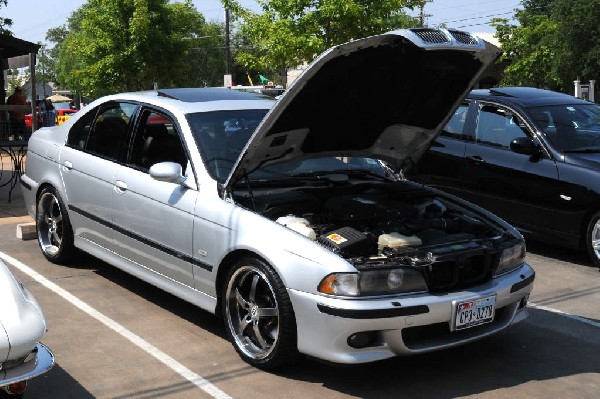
(250, 192)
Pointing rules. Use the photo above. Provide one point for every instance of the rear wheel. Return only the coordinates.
(54, 231)
(5, 392)
(592, 239)
(258, 315)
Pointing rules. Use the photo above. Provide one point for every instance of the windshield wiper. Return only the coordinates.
(363, 172)
(340, 175)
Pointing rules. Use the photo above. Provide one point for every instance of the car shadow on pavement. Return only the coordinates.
(56, 383)
(546, 347)
(529, 352)
(170, 303)
(568, 255)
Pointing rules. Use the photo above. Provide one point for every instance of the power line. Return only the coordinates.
(494, 12)
(480, 17)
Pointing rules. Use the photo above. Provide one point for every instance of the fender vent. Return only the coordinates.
(464, 37)
(431, 35)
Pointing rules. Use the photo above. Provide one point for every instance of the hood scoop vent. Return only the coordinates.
(464, 37)
(431, 35)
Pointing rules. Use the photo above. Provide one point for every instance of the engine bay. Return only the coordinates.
(388, 224)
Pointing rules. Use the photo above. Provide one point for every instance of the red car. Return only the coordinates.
(61, 116)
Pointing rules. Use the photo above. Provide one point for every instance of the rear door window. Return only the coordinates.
(456, 126)
(104, 132)
(498, 126)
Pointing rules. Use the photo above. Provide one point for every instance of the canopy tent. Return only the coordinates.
(58, 98)
(17, 53)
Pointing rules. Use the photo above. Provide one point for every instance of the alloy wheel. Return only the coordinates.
(252, 312)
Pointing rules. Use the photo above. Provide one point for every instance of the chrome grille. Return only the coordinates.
(431, 35)
(464, 37)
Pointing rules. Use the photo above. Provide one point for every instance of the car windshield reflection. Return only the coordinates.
(221, 136)
(570, 128)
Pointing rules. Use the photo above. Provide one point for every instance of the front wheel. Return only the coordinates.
(592, 239)
(259, 318)
(54, 231)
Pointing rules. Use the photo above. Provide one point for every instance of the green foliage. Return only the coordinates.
(537, 7)
(287, 33)
(529, 49)
(555, 42)
(14, 80)
(127, 45)
(45, 66)
(5, 23)
(578, 50)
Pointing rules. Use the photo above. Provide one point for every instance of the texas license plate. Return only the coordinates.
(475, 312)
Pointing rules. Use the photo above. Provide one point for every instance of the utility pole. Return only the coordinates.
(422, 16)
(43, 65)
(227, 80)
(227, 44)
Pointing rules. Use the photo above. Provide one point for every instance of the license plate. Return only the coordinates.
(475, 312)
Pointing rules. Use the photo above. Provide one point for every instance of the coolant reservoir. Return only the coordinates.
(397, 240)
(299, 225)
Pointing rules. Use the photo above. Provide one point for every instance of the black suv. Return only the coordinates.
(531, 156)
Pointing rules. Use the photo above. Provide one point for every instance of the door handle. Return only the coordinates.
(476, 159)
(120, 186)
(67, 166)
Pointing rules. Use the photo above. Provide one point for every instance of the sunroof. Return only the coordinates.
(195, 95)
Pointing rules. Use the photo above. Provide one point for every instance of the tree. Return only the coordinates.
(207, 57)
(55, 36)
(14, 80)
(5, 23)
(126, 45)
(578, 50)
(287, 33)
(555, 42)
(530, 50)
(44, 72)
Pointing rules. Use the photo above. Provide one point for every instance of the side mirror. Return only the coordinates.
(167, 171)
(525, 146)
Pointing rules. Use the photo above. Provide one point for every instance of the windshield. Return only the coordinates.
(571, 127)
(221, 136)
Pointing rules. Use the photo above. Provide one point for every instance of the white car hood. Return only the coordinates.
(384, 97)
(22, 322)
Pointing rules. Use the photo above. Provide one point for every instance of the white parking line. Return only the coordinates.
(167, 360)
(569, 315)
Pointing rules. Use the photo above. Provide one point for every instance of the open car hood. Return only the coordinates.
(383, 97)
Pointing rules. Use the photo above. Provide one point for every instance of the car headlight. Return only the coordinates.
(374, 282)
(511, 258)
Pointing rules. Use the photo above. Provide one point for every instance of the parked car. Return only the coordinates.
(22, 324)
(285, 217)
(63, 114)
(530, 156)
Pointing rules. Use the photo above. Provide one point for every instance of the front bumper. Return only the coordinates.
(403, 325)
(39, 361)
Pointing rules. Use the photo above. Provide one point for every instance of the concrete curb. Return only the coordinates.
(26, 231)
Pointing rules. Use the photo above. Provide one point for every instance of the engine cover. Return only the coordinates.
(347, 241)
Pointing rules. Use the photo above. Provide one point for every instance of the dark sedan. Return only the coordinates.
(531, 156)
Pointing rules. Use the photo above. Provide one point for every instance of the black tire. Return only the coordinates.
(592, 239)
(54, 231)
(259, 317)
(5, 395)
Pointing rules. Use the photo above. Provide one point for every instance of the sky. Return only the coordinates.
(32, 18)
